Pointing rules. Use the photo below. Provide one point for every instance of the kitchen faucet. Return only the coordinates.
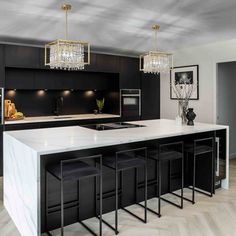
(58, 105)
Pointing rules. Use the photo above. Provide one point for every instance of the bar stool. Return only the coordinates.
(125, 160)
(74, 170)
(196, 149)
(167, 152)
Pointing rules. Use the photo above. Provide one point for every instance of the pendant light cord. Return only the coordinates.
(66, 24)
(155, 39)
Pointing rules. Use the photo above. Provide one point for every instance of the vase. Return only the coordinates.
(182, 110)
(190, 116)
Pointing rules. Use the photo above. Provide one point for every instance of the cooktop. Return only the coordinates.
(111, 126)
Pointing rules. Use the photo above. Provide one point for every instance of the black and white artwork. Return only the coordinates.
(186, 76)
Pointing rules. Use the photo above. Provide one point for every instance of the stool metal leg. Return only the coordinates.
(78, 198)
(145, 191)
(182, 178)
(116, 199)
(46, 201)
(159, 187)
(62, 207)
(101, 193)
(170, 173)
(136, 185)
(194, 178)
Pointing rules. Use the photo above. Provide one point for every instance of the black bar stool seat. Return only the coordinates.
(196, 149)
(199, 149)
(124, 162)
(118, 163)
(73, 171)
(167, 152)
(167, 155)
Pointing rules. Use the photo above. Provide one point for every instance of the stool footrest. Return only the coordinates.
(172, 203)
(88, 229)
(202, 192)
(149, 209)
(186, 199)
(109, 225)
(131, 213)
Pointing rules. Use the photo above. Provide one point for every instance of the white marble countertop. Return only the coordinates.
(38, 119)
(63, 139)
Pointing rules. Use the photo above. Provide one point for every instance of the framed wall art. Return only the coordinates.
(187, 79)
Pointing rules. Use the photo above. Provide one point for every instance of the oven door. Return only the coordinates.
(130, 107)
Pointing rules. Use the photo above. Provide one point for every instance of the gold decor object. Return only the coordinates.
(67, 54)
(155, 61)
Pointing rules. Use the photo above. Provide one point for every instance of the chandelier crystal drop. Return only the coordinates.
(67, 54)
(155, 61)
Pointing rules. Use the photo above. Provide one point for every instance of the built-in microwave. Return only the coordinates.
(130, 104)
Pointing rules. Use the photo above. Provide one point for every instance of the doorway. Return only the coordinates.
(226, 101)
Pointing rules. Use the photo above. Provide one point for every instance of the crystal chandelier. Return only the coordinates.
(155, 61)
(67, 54)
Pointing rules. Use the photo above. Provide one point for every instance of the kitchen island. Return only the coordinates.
(28, 152)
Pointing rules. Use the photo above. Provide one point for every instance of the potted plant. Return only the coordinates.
(100, 104)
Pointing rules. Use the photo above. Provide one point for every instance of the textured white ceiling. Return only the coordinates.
(122, 25)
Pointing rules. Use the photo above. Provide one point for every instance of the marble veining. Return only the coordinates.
(54, 140)
(21, 184)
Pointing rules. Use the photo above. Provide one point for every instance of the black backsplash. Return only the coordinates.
(42, 102)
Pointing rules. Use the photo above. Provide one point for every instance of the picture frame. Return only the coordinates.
(185, 74)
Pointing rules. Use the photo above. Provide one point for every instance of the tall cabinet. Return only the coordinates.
(150, 87)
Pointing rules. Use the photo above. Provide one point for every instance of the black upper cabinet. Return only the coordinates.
(2, 69)
(150, 85)
(107, 63)
(93, 60)
(129, 73)
(20, 56)
(19, 78)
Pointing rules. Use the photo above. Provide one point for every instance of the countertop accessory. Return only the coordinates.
(190, 116)
(67, 54)
(183, 89)
(100, 104)
(155, 61)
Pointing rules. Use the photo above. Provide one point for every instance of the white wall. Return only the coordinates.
(206, 56)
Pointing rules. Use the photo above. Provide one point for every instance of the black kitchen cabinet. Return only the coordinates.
(16, 78)
(150, 86)
(107, 63)
(21, 56)
(2, 69)
(129, 73)
(1, 150)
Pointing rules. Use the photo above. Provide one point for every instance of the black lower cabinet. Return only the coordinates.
(150, 87)
(1, 150)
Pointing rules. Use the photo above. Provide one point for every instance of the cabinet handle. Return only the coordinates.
(218, 156)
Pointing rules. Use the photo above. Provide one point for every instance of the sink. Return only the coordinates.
(62, 117)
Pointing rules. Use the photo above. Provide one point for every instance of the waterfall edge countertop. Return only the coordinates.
(24, 156)
(64, 139)
(38, 119)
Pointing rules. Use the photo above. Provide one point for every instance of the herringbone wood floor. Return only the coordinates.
(208, 217)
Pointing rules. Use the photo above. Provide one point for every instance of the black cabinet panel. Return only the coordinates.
(2, 70)
(93, 62)
(21, 56)
(107, 63)
(19, 78)
(1, 150)
(150, 86)
(129, 73)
